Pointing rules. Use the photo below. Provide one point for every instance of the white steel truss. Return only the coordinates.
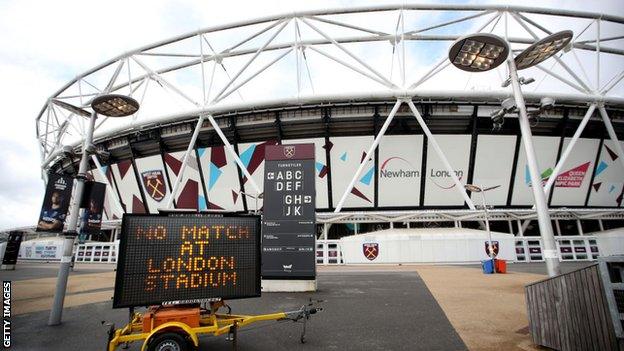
(348, 39)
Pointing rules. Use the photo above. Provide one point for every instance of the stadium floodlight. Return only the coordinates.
(469, 53)
(110, 105)
(114, 105)
(543, 49)
(478, 189)
(478, 52)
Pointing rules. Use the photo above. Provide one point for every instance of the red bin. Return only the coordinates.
(501, 266)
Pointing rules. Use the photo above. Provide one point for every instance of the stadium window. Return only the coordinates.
(568, 227)
(499, 226)
(612, 223)
(532, 229)
(590, 226)
(400, 225)
(470, 224)
(448, 224)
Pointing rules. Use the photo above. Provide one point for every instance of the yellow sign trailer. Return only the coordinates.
(177, 335)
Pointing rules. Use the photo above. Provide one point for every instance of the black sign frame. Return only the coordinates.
(283, 231)
(11, 252)
(121, 262)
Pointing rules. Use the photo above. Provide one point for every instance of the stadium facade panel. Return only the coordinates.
(403, 174)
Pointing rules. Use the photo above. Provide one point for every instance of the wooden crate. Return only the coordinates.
(570, 312)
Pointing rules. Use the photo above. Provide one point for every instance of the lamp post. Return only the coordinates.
(110, 105)
(482, 52)
(478, 189)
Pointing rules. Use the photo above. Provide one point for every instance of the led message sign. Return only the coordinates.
(187, 259)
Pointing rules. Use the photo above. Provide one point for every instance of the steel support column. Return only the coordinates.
(612, 134)
(230, 149)
(372, 148)
(185, 160)
(438, 150)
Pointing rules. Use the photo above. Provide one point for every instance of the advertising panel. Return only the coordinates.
(346, 154)
(55, 203)
(400, 159)
(221, 179)
(42, 249)
(439, 186)
(546, 151)
(190, 194)
(570, 188)
(608, 185)
(153, 179)
(289, 227)
(493, 164)
(187, 259)
(129, 191)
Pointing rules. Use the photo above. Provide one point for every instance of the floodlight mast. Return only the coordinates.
(467, 54)
(551, 255)
(110, 105)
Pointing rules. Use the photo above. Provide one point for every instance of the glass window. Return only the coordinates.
(612, 223)
(590, 226)
(568, 227)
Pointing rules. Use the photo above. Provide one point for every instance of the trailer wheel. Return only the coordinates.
(168, 342)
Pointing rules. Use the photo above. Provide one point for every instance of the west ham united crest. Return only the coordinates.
(371, 250)
(154, 184)
(494, 246)
(289, 151)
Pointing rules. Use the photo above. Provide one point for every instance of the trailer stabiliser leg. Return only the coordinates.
(303, 331)
(233, 336)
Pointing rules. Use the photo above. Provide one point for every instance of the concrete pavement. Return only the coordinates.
(390, 307)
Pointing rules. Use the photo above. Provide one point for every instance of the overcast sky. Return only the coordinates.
(44, 44)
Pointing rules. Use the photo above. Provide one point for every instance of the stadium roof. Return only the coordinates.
(311, 59)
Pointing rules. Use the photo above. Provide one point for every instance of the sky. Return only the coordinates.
(44, 44)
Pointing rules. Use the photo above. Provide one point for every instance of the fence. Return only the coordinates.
(570, 312)
(328, 252)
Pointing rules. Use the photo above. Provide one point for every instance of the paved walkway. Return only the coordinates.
(408, 307)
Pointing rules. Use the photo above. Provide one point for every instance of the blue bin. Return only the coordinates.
(488, 266)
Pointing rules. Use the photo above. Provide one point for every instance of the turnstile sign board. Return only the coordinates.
(289, 223)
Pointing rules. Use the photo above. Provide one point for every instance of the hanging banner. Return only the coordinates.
(93, 204)
(289, 226)
(55, 203)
